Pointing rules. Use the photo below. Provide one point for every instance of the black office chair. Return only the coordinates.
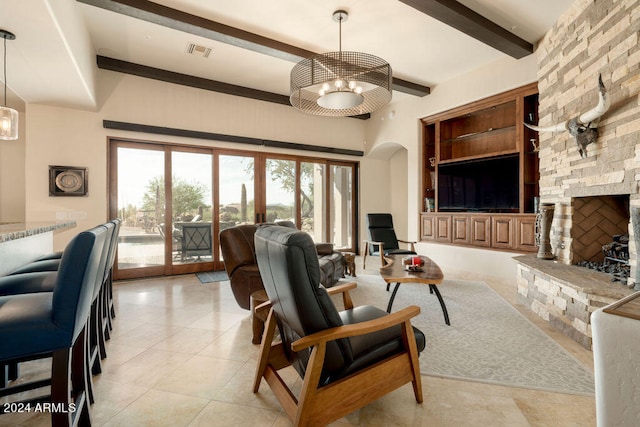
(346, 359)
(383, 240)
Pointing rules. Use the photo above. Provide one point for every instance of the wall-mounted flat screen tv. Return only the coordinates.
(483, 186)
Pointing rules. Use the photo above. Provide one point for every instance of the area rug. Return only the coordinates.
(488, 341)
(212, 276)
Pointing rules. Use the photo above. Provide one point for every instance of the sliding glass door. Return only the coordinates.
(140, 202)
(341, 201)
(236, 190)
(174, 201)
(164, 196)
(280, 190)
(313, 200)
(191, 209)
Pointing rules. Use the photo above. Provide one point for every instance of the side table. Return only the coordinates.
(258, 317)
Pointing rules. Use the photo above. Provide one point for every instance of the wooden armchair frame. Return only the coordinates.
(322, 405)
(380, 246)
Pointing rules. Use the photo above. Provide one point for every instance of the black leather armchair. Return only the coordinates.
(383, 240)
(346, 359)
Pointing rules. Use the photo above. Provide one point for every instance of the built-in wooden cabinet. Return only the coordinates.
(426, 227)
(512, 232)
(480, 226)
(480, 173)
(460, 229)
(525, 229)
(442, 227)
(502, 236)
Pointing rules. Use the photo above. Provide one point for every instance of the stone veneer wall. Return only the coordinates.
(591, 37)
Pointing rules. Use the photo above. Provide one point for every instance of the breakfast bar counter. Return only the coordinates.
(21, 243)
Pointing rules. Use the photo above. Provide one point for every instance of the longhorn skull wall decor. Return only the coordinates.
(583, 128)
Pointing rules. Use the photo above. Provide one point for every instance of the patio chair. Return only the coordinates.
(196, 240)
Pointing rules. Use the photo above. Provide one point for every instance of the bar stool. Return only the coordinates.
(44, 281)
(54, 324)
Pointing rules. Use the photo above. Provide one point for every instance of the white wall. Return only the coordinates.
(61, 136)
(398, 191)
(482, 263)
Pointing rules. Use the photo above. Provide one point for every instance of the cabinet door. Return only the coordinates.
(525, 233)
(427, 231)
(502, 232)
(460, 229)
(442, 228)
(481, 230)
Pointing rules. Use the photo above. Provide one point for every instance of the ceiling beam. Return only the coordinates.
(111, 64)
(159, 130)
(473, 24)
(106, 63)
(192, 24)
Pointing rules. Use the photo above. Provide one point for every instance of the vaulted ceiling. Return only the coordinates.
(254, 44)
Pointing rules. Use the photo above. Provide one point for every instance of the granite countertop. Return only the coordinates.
(19, 230)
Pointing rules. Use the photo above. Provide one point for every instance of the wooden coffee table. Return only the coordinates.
(431, 274)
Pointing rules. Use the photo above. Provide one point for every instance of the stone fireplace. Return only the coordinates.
(592, 195)
(563, 293)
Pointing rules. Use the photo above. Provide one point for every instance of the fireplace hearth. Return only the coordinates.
(565, 295)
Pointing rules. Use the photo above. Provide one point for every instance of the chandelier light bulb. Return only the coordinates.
(339, 83)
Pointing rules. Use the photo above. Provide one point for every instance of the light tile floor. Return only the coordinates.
(181, 355)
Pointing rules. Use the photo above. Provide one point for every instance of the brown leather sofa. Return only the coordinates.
(238, 251)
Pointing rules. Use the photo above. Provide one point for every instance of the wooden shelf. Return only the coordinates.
(480, 134)
(484, 161)
(479, 157)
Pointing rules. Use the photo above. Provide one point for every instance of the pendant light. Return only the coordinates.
(340, 83)
(8, 116)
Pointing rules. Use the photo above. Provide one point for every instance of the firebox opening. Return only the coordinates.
(600, 234)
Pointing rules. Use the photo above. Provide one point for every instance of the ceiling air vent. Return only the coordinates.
(198, 50)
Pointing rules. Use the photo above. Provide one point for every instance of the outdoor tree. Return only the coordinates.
(284, 172)
(187, 197)
(128, 214)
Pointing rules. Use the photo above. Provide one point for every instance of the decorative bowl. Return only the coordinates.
(413, 263)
